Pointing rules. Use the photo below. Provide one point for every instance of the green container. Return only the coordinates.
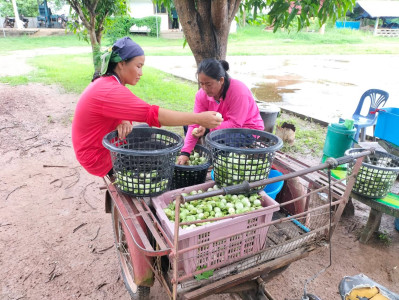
(339, 139)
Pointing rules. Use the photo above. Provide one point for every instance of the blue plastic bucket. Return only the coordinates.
(271, 189)
(274, 188)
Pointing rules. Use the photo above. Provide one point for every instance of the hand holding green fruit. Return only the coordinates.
(195, 159)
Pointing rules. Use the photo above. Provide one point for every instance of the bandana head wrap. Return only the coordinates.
(123, 49)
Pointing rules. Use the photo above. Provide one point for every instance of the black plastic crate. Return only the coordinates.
(143, 163)
(191, 175)
(376, 175)
(242, 154)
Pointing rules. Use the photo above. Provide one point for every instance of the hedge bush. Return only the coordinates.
(117, 27)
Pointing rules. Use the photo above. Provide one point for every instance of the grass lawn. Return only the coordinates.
(26, 42)
(250, 40)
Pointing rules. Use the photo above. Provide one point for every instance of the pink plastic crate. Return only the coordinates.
(224, 251)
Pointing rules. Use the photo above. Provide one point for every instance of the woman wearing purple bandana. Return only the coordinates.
(107, 104)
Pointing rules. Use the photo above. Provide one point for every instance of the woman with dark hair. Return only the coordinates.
(229, 97)
(107, 104)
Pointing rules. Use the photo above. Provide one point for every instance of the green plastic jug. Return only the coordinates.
(339, 139)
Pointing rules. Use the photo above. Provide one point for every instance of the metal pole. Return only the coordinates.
(47, 14)
(376, 26)
(176, 247)
(156, 19)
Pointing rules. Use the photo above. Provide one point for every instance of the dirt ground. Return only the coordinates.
(56, 240)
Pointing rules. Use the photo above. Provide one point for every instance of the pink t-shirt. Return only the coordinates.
(100, 109)
(238, 109)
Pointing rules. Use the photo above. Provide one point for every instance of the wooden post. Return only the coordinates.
(372, 225)
(376, 26)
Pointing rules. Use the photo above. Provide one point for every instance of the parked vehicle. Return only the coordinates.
(62, 20)
(25, 21)
(47, 19)
(10, 21)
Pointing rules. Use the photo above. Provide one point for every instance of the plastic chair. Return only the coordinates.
(378, 98)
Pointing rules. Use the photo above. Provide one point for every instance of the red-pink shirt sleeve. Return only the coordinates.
(236, 113)
(121, 103)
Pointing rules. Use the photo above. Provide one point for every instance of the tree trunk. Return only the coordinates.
(94, 29)
(16, 15)
(206, 25)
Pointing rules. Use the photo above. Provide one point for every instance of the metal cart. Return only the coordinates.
(302, 225)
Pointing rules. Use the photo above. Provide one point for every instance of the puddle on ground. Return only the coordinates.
(273, 90)
(274, 87)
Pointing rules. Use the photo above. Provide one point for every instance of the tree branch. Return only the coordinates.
(234, 5)
(100, 28)
(219, 14)
(76, 6)
(95, 5)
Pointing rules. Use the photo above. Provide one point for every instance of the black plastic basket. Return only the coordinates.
(376, 175)
(242, 154)
(191, 175)
(143, 163)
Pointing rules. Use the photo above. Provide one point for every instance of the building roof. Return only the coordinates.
(375, 9)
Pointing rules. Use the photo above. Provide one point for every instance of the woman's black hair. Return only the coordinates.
(110, 69)
(216, 69)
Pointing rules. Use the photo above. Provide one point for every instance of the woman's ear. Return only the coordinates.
(221, 80)
(119, 65)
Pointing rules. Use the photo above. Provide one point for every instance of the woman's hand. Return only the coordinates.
(124, 128)
(183, 160)
(198, 132)
(209, 119)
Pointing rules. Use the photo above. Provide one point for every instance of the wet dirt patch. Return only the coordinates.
(275, 87)
(273, 90)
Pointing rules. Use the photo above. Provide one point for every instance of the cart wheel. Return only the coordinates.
(122, 247)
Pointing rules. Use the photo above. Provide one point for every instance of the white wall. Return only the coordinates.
(141, 8)
(145, 8)
(233, 27)
(164, 22)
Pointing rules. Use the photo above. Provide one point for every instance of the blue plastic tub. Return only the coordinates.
(271, 189)
(388, 124)
(348, 24)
